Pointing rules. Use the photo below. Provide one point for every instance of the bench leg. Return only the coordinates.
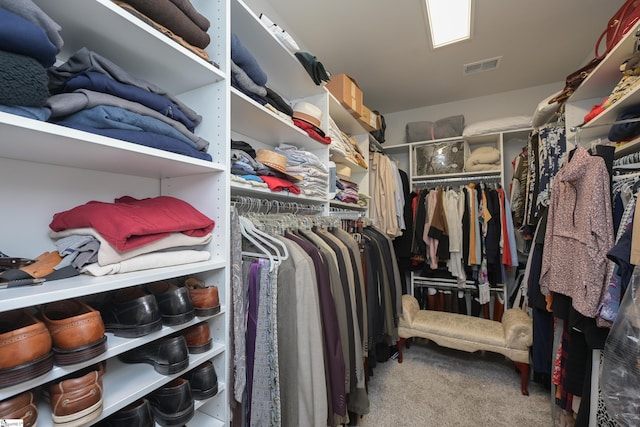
(399, 346)
(523, 368)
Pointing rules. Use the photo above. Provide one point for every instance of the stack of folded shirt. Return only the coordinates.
(314, 174)
(249, 78)
(245, 168)
(347, 191)
(100, 238)
(95, 95)
(29, 43)
(177, 19)
(344, 145)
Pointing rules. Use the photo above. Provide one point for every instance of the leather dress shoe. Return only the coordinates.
(21, 407)
(77, 398)
(205, 298)
(136, 414)
(76, 329)
(203, 381)
(25, 347)
(131, 313)
(198, 338)
(167, 355)
(172, 404)
(175, 303)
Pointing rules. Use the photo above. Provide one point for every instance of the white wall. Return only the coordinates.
(521, 102)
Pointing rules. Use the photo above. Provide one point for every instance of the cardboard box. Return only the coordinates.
(346, 91)
(375, 121)
(368, 119)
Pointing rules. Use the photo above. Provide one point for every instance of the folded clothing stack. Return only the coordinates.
(177, 19)
(29, 43)
(483, 159)
(131, 234)
(313, 173)
(95, 95)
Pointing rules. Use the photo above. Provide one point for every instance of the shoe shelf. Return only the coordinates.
(200, 419)
(51, 168)
(83, 284)
(125, 383)
(115, 346)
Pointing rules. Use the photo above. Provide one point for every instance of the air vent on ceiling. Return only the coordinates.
(480, 66)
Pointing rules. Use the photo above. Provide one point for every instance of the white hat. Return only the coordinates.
(308, 112)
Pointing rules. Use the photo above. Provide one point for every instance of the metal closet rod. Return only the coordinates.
(461, 179)
(259, 205)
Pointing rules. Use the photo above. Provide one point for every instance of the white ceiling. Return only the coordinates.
(384, 45)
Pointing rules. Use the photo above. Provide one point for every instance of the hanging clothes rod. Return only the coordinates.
(248, 204)
(457, 179)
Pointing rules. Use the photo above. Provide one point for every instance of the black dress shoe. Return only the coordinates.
(167, 355)
(172, 405)
(175, 303)
(131, 313)
(137, 414)
(203, 381)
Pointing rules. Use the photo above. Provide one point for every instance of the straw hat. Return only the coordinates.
(308, 112)
(275, 161)
(343, 172)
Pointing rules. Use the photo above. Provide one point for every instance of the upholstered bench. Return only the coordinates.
(512, 337)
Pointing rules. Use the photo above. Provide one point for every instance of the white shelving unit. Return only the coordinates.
(260, 127)
(503, 175)
(51, 169)
(596, 87)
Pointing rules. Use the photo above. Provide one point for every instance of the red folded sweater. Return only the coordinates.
(130, 223)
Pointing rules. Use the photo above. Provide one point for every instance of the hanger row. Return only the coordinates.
(246, 204)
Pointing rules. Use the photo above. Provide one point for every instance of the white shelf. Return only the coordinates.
(349, 206)
(337, 157)
(52, 167)
(201, 420)
(251, 119)
(83, 284)
(286, 75)
(35, 141)
(249, 190)
(597, 86)
(115, 346)
(118, 390)
(345, 121)
(607, 73)
(127, 41)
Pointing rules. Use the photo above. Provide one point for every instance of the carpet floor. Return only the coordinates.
(440, 387)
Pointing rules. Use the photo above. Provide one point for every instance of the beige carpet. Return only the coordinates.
(439, 387)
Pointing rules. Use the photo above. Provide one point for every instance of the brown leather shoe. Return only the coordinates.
(205, 298)
(21, 407)
(25, 347)
(198, 338)
(77, 399)
(77, 331)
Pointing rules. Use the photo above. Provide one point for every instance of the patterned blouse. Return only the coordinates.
(579, 233)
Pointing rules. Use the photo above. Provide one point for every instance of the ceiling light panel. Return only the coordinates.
(449, 21)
